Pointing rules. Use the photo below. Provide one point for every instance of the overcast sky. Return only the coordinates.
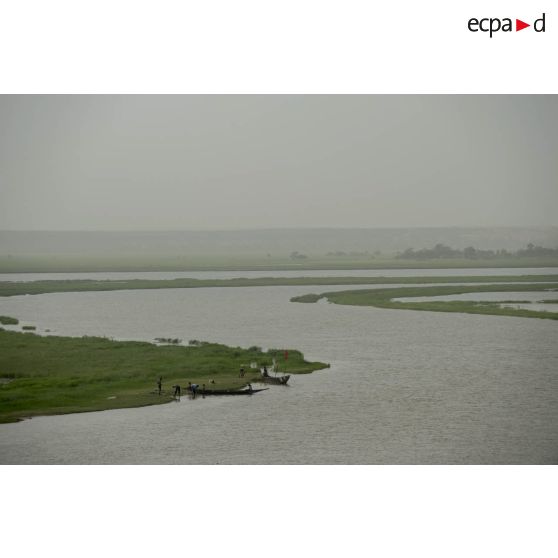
(234, 162)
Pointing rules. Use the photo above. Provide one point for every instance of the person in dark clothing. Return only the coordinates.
(160, 384)
(241, 375)
(177, 391)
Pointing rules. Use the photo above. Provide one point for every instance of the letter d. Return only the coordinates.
(536, 24)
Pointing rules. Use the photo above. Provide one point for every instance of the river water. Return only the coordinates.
(403, 387)
(156, 275)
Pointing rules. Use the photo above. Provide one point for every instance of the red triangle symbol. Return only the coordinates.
(519, 25)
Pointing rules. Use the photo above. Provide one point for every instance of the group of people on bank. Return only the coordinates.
(192, 388)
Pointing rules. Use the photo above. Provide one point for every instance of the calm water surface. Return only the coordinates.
(403, 387)
(116, 275)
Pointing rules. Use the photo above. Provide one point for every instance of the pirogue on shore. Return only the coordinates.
(243, 391)
(276, 380)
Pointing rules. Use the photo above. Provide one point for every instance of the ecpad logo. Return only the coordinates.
(494, 24)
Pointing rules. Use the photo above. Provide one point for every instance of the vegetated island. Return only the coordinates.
(383, 298)
(57, 375)
(14, 288)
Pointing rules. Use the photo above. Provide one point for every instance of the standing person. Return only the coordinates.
(177, 392)
(241, 375)
(160, 384)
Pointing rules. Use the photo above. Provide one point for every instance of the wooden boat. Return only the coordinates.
(243, 391)
(275, 380)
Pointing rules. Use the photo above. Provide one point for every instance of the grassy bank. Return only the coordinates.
(54, 263)
(56, 375)
(12, 288)
(383, 298)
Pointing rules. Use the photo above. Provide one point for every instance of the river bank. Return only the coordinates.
(60, 375)
(384, 298)
(14, 288)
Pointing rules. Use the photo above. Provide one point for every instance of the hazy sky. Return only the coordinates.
(233, 162)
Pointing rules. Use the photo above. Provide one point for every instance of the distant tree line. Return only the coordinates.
(341, 254)
(441, 251)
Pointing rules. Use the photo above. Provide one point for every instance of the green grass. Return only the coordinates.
(37, 263)
(383, 298)
(53, 375)
(12, 288)
(7, 320)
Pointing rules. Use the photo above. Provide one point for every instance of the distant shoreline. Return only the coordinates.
(15, 288)
(66, 264)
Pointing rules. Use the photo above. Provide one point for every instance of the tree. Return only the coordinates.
(469, 252)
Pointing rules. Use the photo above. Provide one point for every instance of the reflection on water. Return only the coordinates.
(403, 387)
